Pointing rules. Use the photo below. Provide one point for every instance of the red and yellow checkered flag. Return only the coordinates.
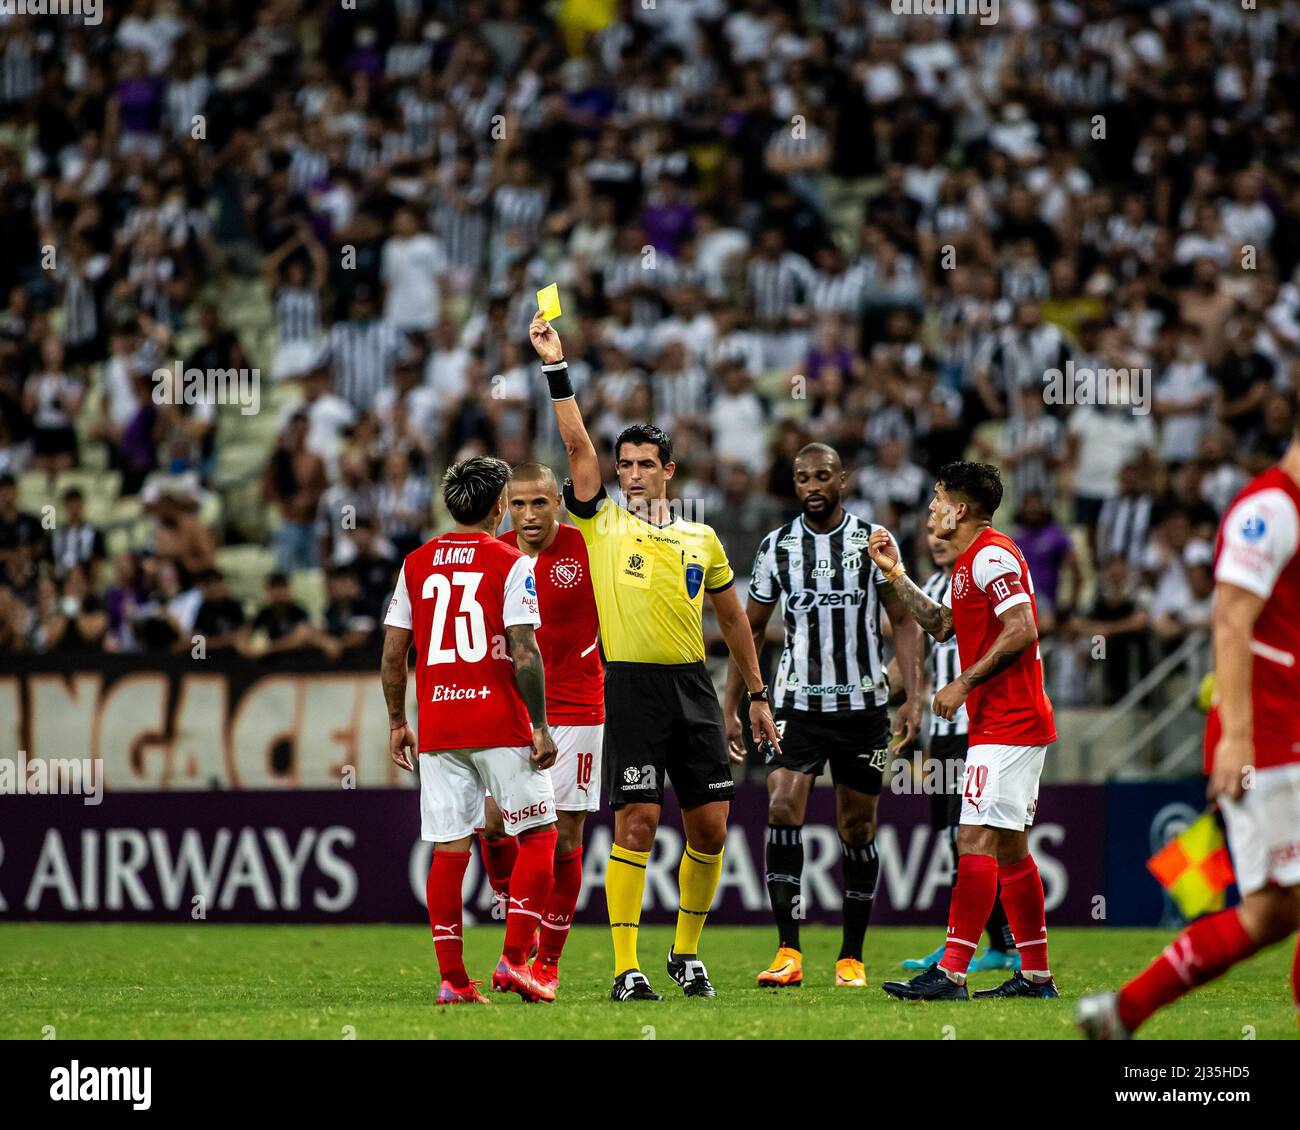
(1195, 867)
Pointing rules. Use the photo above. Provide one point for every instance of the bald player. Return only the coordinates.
(830, 698)
(575, 703)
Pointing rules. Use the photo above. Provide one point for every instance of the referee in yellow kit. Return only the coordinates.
(650, 571)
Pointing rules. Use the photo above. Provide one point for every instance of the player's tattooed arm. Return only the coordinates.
(402, 747)
(529, 674)
(1018, 634)
(909, 653)
(531, 679)
(933, 617)
(392, 672)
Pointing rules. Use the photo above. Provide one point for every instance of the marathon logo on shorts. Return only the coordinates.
(541, 808)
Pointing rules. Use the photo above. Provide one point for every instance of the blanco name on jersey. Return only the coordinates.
(453, 555)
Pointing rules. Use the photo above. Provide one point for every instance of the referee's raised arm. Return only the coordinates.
(584, 466)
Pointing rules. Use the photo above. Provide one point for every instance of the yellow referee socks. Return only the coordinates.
(697, 882)
(624, 886)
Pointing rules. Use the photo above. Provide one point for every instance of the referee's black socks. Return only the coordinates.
(861, 870)
(784, 880)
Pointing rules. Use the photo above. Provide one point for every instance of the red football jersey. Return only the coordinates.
(1012, 708)
(457, 594)
(1256, 551)
(569, 635)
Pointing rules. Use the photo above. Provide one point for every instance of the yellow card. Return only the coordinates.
(548, 302)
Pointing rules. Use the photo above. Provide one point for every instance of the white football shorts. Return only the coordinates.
(453, 783)
(1264, 829)
(1001, 787)
(575, 776)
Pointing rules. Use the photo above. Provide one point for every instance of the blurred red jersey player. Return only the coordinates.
(1252, 754)
(575, 700)
(469, 603)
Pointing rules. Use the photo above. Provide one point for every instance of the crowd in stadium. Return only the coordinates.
(769, 221)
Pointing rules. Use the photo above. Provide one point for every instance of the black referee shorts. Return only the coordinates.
(664, 721)
(855, 742)
(945, 806)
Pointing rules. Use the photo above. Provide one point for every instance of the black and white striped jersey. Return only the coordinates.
(362, 353)
(945, 663)
(829, 590)
(297, 313)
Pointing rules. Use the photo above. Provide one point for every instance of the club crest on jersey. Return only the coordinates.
(851, 560)
(694, 579)
(566, 573)
(960, 581)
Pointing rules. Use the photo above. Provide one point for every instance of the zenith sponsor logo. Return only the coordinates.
(75, 1083)
(806, 599)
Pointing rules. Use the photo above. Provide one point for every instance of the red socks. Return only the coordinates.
(499, 861)
(972, 900)
(1208, 948)
(530, 888)
(1022, 899)
(559, 909)
(442, 894)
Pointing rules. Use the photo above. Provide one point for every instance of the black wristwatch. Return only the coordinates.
(757, 696)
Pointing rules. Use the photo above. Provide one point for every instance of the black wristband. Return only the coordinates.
(557, 376)
(757, 696)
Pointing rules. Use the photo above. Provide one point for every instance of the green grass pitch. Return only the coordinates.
(209, 981)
